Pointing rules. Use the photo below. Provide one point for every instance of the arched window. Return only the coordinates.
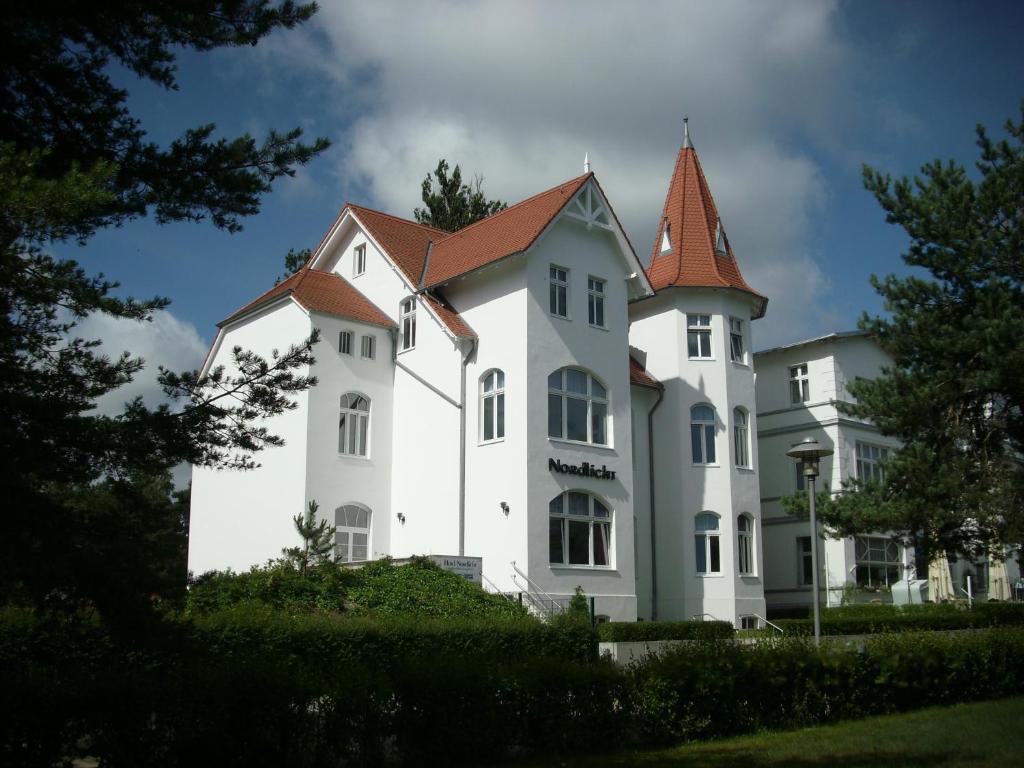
(492, 405)
(741, 438)
(745, 544)
(353, 424)
(580, 530)
(702, 434)
(708, 551)
(352, 533)
(577, 407)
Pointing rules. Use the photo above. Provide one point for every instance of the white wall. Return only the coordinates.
(241, 519)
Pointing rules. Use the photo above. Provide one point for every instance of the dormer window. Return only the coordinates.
(666, 239)
(721, 245)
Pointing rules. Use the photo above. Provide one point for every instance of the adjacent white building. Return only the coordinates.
(526, 391)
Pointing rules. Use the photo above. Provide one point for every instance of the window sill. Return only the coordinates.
(745, 470)
(740, 363)
(580, 443)
(490, 442)
(750, 577)
(701, 359)
(712, 466)
(717, 575)
(560, 317)
(403, 351)
(599, 327)
(353, 456)
(601, 568)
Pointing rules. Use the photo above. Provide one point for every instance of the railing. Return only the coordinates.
(700, 617)
(765, 621)
(539, 601)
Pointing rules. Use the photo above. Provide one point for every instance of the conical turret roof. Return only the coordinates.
(692, 249)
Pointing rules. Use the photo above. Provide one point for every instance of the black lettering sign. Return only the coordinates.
(586, 469)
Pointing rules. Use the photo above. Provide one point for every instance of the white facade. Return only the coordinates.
(555, 492)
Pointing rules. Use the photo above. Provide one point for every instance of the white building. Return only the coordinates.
(491, 392)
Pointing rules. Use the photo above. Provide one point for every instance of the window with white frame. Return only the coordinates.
(799, 385)
(580, 530)
(702, 434)
(804, 562)
(492, 406)
(577, 407)
(737, 351)
(359, 260)
(558, 278)
(666, 239)
(595, 301)
(707, 548)
(741, 438)
(745, 544)
(353, 424)
(878, 561)
(698, 337)
(351, 533)
(345, 342)
(369, 347)
(870, 462)
(407, 323)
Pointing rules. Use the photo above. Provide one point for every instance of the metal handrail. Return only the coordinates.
(491, 584)
(773, 626)
(701, 617)
(553, 605)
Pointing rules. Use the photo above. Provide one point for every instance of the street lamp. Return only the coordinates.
(808, 453)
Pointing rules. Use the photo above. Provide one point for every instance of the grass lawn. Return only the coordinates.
(985, 734)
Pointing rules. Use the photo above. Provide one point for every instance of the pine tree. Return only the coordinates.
(454, 205)
(317, 540)
(954, 394)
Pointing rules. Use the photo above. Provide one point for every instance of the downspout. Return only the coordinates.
(462, 449)
(650, 468)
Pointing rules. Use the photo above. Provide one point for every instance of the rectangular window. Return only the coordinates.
(698, 337)
(369, 347)
(870, 459)
(878, 561)
(804, 563)
(407, 322)
(345, 342)
(736, 352)
(595, 301)
(359, 260)
(559, 291)
(799, 386)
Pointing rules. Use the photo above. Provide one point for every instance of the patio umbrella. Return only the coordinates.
(998, 583)
(940, 581)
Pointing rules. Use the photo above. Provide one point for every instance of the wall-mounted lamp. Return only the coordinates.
(504, 508)
(401, 518)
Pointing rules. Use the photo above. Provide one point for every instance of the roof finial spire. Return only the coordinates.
(586, 162)
(686, 133)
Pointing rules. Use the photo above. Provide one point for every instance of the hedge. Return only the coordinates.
(299, 693)
(648, 631)
(913, 618)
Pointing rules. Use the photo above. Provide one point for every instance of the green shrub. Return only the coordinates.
(867, 620)
(647, 631)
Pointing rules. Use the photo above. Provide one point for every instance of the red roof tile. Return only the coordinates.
(450, 317)
(501, 234)
(321, 292)
(637, 375)
(693, 222)
(405, 241)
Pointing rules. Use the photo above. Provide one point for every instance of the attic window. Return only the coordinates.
(666, 241)
(721, 245)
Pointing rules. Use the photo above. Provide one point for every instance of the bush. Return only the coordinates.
(647, 631)
(867, 620)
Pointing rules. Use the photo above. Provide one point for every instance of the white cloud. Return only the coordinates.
(517, 92)
(166, 341)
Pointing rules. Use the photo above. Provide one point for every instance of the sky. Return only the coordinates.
(786, 100)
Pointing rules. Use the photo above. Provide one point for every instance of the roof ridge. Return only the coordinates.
(494, 216)
(395, 218)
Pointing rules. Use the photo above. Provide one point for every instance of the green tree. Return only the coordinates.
(294, 260)
(317, 541)
(454, 205)
(955, 332)
(73, 159)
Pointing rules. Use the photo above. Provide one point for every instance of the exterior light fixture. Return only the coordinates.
(809, 453)
(401, 518)
(504, 508)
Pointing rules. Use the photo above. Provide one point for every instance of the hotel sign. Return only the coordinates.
(468, 568)
(586, 469)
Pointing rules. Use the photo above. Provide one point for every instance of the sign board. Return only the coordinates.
(586, 469)
(469, 568)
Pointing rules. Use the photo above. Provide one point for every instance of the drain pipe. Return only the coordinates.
(462, 449)
(650, 468)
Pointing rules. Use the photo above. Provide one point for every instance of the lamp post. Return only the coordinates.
(808, 453)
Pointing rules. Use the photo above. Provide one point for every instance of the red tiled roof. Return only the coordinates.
(450, 317)
(637, 375)
(692, 218)
(501, 234)
(405, 241)
(321, 292)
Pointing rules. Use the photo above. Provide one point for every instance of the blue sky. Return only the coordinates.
(786, 101)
